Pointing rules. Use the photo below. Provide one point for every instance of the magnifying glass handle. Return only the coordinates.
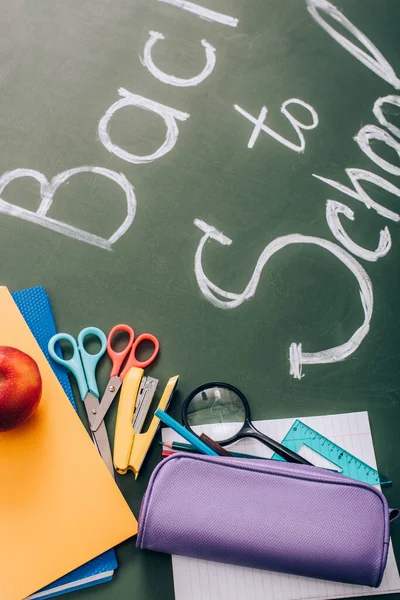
(283, 452)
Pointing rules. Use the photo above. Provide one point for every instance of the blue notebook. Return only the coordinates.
(35, 307)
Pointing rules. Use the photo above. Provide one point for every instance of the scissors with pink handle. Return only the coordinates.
(126, 357)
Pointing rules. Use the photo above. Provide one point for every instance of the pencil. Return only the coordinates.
(166, 453)
(214, 445)
(180, 446)
(185, 433)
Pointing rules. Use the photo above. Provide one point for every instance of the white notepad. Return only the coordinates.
(203, 580)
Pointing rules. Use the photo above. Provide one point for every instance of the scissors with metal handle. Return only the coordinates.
(83, 365)
(117, 373)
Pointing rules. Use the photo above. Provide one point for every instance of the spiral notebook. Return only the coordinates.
(200, 580)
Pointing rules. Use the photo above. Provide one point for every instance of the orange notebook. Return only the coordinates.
(59, 506)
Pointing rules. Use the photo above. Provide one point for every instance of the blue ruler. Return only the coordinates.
(302, 435)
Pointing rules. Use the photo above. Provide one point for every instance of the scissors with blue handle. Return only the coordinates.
(83, 365)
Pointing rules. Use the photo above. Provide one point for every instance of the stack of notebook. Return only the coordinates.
(35, 307)
(61, 506)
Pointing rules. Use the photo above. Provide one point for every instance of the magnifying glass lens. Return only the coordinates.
(217, 405)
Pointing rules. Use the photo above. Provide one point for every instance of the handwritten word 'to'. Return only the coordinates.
(298, 126)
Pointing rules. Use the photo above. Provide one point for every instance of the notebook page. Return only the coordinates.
(203, 580)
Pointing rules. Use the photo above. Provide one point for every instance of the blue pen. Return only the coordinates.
(185, 433)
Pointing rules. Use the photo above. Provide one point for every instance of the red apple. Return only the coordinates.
(20, 387)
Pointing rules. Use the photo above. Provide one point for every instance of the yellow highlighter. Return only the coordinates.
(137, 392)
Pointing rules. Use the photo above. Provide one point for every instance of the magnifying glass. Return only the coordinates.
(227, 409)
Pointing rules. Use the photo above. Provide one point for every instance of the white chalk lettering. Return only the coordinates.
(148, 62)
(372, 132)
(259, 124)
(333, 209)
(228, 300)
(203, 13)
(47, 191)
(168, 114)
(377, 110)
(357, 175)
(371, 58)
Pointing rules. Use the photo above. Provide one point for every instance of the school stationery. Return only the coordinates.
(83, 365)
(212, 444)
(185, 433)
(207, 440)
(228, 409)
(301, 434)
(178, 446)
(298, 519)
(47, 466)
(35, 307)
(195, 579)
(166, 453)
(130, 445)
(122, 361)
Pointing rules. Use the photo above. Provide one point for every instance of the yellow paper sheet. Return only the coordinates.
(59, 506)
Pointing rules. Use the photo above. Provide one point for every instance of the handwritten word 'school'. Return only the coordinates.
(374, 60)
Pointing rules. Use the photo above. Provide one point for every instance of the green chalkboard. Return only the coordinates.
(128, 189)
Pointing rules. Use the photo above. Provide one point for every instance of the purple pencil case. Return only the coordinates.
(269, 515)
